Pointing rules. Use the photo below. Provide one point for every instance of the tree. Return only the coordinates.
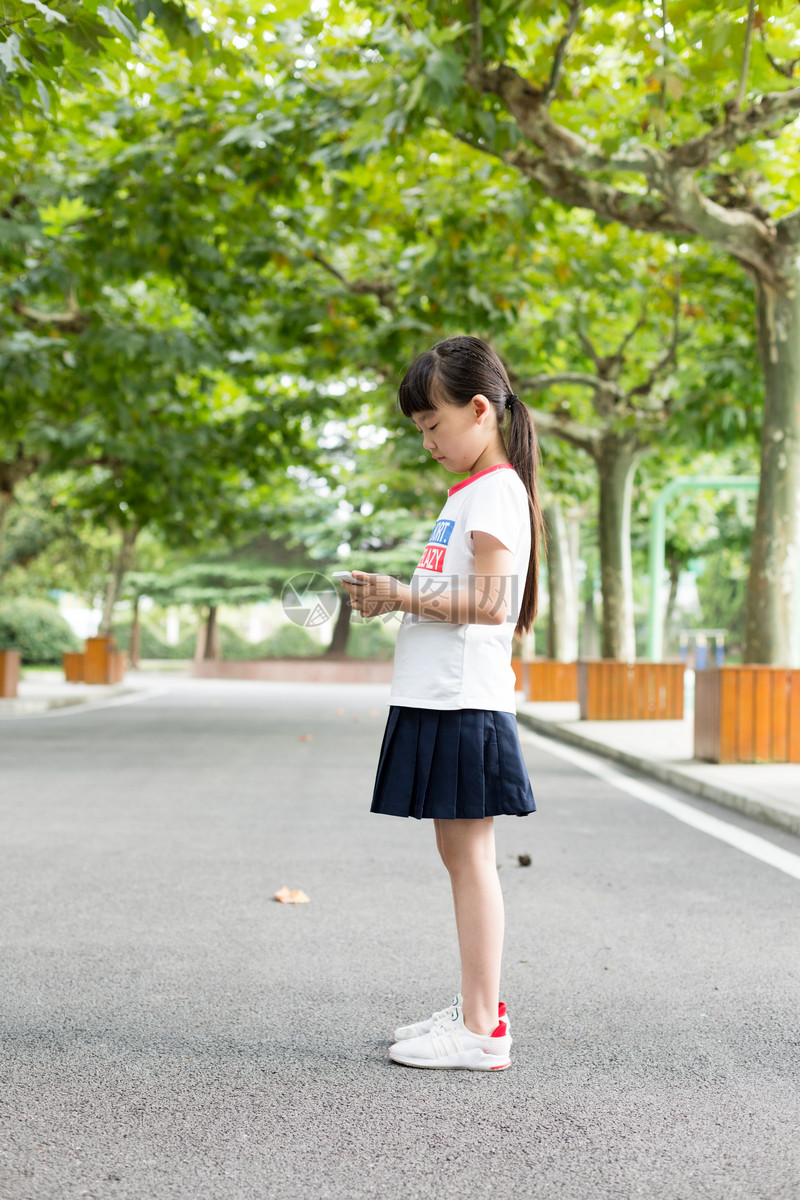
(47, 49)
(677, 126)
(463, 249)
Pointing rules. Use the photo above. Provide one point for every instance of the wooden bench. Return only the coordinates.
(72, 662)
(100, 662)
(640, 691)
(549, 681)
(747, 714)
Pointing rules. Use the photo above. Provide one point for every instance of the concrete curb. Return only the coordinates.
(761, 810)
(29, 709)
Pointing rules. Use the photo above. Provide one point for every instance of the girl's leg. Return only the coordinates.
(467, 850)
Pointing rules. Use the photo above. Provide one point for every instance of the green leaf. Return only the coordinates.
(50, 14)
(56, 218)
(116, 20)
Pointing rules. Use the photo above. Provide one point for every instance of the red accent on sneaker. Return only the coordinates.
(501, 1010)
(501, 1030)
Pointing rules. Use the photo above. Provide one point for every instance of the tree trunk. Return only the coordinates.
(562, 616)
(589, 640)
(115, 579)
(211, 646)
(674, 579)
(616, 462)
(136, 635)
(773, 579)
(6, 501)
(341, 630)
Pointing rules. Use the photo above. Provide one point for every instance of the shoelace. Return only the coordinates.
(445, 1015)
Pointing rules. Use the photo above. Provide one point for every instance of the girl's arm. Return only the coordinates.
(484, 599)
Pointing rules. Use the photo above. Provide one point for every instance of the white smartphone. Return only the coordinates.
(346, 577)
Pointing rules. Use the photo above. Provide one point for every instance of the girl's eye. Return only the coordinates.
(432, 427)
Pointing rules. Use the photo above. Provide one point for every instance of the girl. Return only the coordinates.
(451, 750)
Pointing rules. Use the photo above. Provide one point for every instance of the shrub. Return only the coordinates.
(287, 641)
(37, 629)
(370, 640)
(150, 644)
(232, 646)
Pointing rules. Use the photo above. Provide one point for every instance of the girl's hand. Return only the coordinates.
(378, 594)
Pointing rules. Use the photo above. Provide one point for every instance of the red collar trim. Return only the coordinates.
(486, 471)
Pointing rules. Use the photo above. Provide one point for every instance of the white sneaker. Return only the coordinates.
(450, 1046)
(405, 1032)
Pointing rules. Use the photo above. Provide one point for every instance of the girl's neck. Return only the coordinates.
(492, 456)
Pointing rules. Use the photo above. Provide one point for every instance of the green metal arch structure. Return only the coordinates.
(682, 483)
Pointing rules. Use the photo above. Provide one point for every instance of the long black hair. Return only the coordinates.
(454, 371)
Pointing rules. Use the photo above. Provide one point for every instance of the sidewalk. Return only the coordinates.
(664, 750)
(41, 691)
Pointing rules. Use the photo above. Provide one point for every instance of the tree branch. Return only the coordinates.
(631, 334)
(746, 236)
(737, 127)
(15, 470)
(475, 40)
(681, 208)
(474, 143)
(586, 342)
(575, 9)
(582, 436)
(560, 146)
(359, 287)
(789, 227)
(669, 357)
(786, 68)
(539, 383)
(71, 321)
(646, 211)
(748, 42)
(563, 147)
(664, 21)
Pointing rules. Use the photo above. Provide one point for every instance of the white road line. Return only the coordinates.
(748, 843)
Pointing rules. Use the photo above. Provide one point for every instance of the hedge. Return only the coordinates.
(37, 629)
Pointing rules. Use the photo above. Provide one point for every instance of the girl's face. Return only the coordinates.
(458, 435)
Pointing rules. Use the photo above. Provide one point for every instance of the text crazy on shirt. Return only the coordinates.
(433, 554)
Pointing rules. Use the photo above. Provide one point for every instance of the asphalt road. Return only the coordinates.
(168, 1030)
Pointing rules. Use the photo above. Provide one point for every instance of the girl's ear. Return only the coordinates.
(481, 406)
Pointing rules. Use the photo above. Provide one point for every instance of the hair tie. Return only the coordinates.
(510, 399)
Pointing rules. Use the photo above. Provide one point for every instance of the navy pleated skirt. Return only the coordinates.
(447, 763)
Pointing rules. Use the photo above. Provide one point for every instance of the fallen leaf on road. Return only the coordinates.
(306, 737)
(356, 718)
(340, 712)
(524, 860)
(295, 896)
(373, 712)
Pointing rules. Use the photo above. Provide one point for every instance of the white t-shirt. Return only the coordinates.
(438, 664)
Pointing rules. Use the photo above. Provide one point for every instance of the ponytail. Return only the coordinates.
(522, 447)
(458, 369)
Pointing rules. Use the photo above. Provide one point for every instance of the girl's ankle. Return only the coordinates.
(478, 1023)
